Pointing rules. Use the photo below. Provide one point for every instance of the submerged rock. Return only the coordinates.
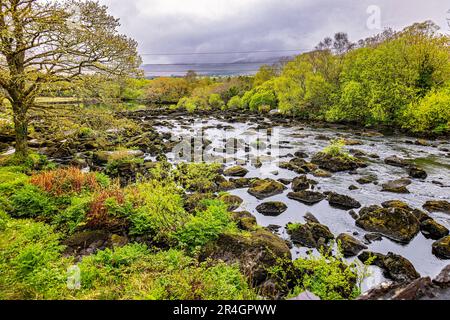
(273, 208)
(236, 171)
(395, 223)
(262, 189)
(441, 248)
(307, 197)
(349, 245)
(343, 201)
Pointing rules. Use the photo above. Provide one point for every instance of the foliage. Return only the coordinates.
(336, 150)
(206, 225)
(215, 101)
(69, 181)
(235, 103)
(31, 202)
(197, 176)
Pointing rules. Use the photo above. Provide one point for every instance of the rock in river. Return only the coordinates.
(417, 173)
(349, 245)
(441, 248)
(396, 161)
(307, 197)
(395, 223)
(302, 183)
(397, 186)
(232, 201)
(343, 201)
(433, 230)
(273, 208)
(236, 171)
(262, 189)
(336, 164)
(437, 206)
(310, 235)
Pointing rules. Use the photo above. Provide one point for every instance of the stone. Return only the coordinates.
(395, 223)
(349, 245)
(336, 164)
(321, 173)
(433, 230)
(103, 157)
(232, 201)
(307, 197)
(273, 208)
(236, 171)
(245, 220)
(309, 217)
(262, 189)
(437, 206)
(371, 237)
(396, 161)
(441, 248)
(417, 173)
(396, 186)
(343, 201)
(302, 183)
(310, 235)
(367, 179)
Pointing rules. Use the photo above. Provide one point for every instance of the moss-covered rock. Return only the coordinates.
(232, 201)
(245, 220)
(236, 171)
(433, 230)
(302, 183)
(307, 197)
(343, 201)
(349, 245)
(272, 208)
(397, 186)
(441, 248)
(337, 163)
(395, 223)
(262, 189)
(437, 206)
(310, 235)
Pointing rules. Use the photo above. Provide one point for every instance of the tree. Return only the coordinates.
(43, 42)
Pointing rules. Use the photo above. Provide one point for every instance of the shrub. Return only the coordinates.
(197, 176)
(336, 149)
(206, 225)
(215, 101)
(328, 277)
(235, 103)
(11, 179)
(30, 261)
(74, 216)
(133, 272)
(31, 202)
(158, 209)
(69, 181)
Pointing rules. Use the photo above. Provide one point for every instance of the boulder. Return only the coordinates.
(336, 164)
(417, 173)
(395, 267)
(103, 157)
(310, 235)
(437, 206)
(262, 189)
(321, 173)
(302, 183)
(349, 245)
(272, 208)
(395, 223)
(397, 186)
(441, 248)
(245, 220)
(236, 171)
(367, 179)
(343, 201)
(396, 162)
(232, 201)
(307, 197)
(255, 252)
(433, 230)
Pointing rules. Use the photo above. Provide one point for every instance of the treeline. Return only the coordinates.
(399, 79)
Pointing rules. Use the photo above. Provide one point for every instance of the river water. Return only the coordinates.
(434, 158)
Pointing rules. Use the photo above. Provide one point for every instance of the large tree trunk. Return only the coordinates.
(21, 129)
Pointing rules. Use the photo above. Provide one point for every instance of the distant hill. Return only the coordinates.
(235, 68)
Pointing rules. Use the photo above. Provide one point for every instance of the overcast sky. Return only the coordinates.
(174, 26)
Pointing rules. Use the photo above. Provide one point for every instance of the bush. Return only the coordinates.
(132, 272)
(69, 181)
(336, 150)
(235, 103)
(30, 261)
(215, 101)
(206, 225)
(429, 115)
(328, 277)
(31, 202)
(158, 209)
(197, 176)
(74, 216)
(12, 179)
